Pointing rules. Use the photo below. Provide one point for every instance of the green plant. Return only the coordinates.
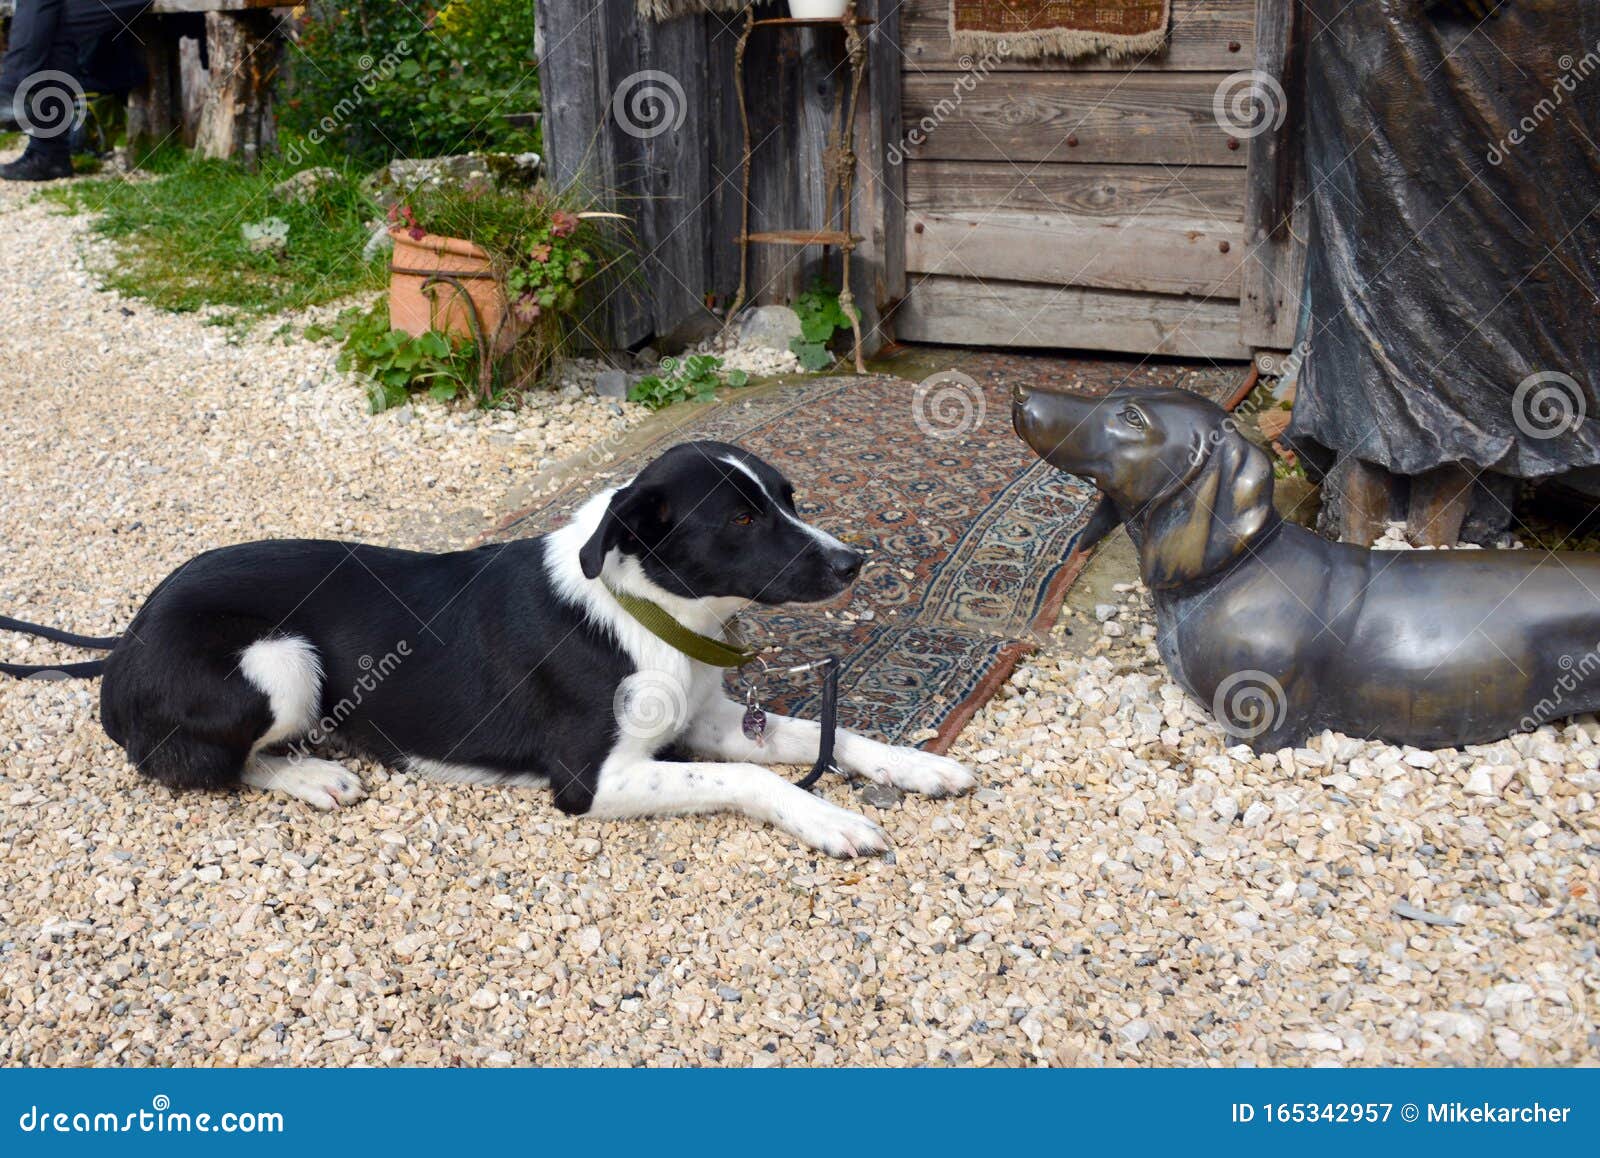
(821, 316)
(180, 244)
(694, 378)
(396, 364)
(548, 250)
(376, 80)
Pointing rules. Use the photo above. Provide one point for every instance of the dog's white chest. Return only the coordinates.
(655, 705)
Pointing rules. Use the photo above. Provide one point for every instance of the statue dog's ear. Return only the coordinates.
(1104, 519)
(1209, 521)
(636, 516)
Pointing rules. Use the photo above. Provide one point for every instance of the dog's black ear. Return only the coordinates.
(1208, 522)
(637, 516)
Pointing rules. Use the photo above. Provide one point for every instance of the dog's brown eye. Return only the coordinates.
(1133, 418)
(743, 519)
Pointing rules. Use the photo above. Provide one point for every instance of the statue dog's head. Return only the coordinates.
(1193, 492)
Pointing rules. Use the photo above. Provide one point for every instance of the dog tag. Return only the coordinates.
(754, 724)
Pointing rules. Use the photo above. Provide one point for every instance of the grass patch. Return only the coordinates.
(179, 242)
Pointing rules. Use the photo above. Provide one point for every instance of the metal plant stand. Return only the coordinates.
(839, 159)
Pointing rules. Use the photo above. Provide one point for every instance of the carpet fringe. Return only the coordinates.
(660, 10)
(1063, 42)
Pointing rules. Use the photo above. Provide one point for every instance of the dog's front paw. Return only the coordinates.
(320, 783)
(913, 770)
(829, 828)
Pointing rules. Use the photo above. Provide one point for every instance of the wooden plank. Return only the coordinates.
(723, 150)
(1277, 214)
(1206, 35)
(1139, 118)
(589, 50)
(961, 312)
(792, 78)
(673, 183)
(181, 7)
(237, 119)
(154, 106)
(880, 199)
(1206, 193)
(1133, 253)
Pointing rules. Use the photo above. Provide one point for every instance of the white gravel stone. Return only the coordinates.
(1092, 907)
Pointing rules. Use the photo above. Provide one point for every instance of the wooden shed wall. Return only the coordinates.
(1094, 203)
(682, 187)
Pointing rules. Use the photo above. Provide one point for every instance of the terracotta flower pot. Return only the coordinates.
(442, 306)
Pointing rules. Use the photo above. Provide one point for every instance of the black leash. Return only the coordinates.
(830, 723)
(79, 671)
(85, 670)
(754, 723)
(92, 642)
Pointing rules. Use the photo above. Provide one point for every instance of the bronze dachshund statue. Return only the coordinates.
(1283, 633)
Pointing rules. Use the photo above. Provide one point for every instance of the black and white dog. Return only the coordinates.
(508, 664)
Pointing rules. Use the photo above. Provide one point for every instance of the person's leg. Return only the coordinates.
(46, 106)
(33, 37)
(45, 93)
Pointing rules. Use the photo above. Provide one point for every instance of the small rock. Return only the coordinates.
(882, 795)
(772, 327)
(270, 234)
(611, 384)
(379, 242)
(1134, 1032)
(302, 186)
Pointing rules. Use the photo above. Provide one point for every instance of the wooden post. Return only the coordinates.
(1366, 494)
(154, 108)
(1277, 206)
(1439, 503)
(237, 118)
(880, 210)
(589, 49)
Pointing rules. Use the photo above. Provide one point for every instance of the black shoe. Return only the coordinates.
(32, 166)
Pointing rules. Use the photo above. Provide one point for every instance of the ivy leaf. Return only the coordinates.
(813, 356)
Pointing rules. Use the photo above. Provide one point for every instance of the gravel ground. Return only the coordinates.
(1123, 889)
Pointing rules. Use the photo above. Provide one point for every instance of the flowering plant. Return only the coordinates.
(556, 266)
(546, 248)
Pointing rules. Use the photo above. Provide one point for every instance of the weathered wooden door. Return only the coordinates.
(1094, 203)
